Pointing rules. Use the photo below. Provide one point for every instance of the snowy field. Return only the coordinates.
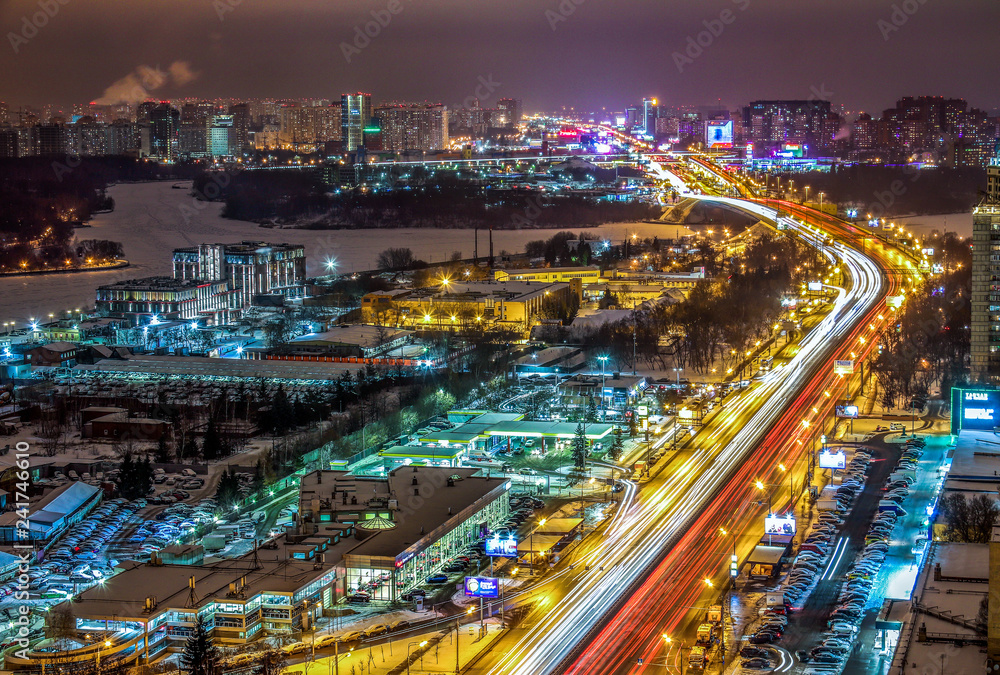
(151, 219)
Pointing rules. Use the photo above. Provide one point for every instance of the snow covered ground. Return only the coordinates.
(151, 219)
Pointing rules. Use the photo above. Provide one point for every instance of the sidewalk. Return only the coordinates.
(428, 653)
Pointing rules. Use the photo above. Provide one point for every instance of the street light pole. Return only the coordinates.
(604, 407)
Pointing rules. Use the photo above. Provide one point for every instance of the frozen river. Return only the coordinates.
(152, 219)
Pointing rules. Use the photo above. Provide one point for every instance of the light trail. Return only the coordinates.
(666, 508)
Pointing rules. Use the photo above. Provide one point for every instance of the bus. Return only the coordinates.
(766, 363)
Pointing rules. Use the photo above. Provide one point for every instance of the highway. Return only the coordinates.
(660, 546)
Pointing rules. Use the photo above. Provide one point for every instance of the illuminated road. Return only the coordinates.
(677, 514)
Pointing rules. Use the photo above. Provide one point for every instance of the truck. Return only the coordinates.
(706, 634)
(214, 542)
(776, 603)
(638, 468)
(889, 505)
(697, 659)
(828, 505)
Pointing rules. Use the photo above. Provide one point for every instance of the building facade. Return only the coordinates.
(413, 126)
(250, 268)
(355, 114)
(139, 300)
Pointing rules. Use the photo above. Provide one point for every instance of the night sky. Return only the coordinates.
(590, 54)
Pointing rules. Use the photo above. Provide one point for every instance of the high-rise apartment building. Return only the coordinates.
(413, 126)
(809, 123)
(512, 110)
(355, 114)
(164, 122)
(241, 125)
(985, 338)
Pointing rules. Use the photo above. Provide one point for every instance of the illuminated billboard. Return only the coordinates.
(832, 460)
(974, 409)
(849, 412)
(843, 367)
(779, 524)
(501, 548)
(482, 587)
(719, 134)
(815, 286)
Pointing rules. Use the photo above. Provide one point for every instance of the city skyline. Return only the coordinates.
(684, 53)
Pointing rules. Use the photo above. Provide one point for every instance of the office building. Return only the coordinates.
(250, 268)
(413, 126)
(649, 115)
(192, 140)
(220, 136)
(139, 300)
(355, 115)
(50, 139)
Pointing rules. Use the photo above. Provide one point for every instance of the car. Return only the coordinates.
(761, 638)
(454, 567)
(437, 579)
(326, 641)
(295, 648)
(399, 625)
(755, 663)
(359, 599)
(376, 630)
(754, 653)
(352, 636)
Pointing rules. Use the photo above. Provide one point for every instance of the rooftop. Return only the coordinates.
(212, 368)
(353, 334)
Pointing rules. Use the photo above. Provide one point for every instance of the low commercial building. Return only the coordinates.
(354, 534)
(52, 355)
(52, 515)
(548, 275)
(461, 306)
(411, 522)
(619, 389)
(117, 424)
(356, 340)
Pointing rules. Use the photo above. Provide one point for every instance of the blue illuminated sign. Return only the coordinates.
(503, 548)
(482, 587)
(977, 409)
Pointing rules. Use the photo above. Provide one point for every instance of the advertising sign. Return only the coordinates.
(719, 134)
(779, 525)
(815, 286)
(849, 412)
(843, 367)
(642, 410)
(974, 409)
(927, 251)
(482, 587)
(501, 548)
(832, 460)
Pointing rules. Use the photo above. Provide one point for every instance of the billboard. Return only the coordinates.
(779, 524)
(501, 548)
(843, 367)
(832, 460)
(974, 409)
(815, 286)
(482, 587)
(719, 134)
(849, 412)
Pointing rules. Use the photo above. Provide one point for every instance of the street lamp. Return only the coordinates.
(419, 644)
(763, 488)
(604, 407)
(107, 643)
(791, 488)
